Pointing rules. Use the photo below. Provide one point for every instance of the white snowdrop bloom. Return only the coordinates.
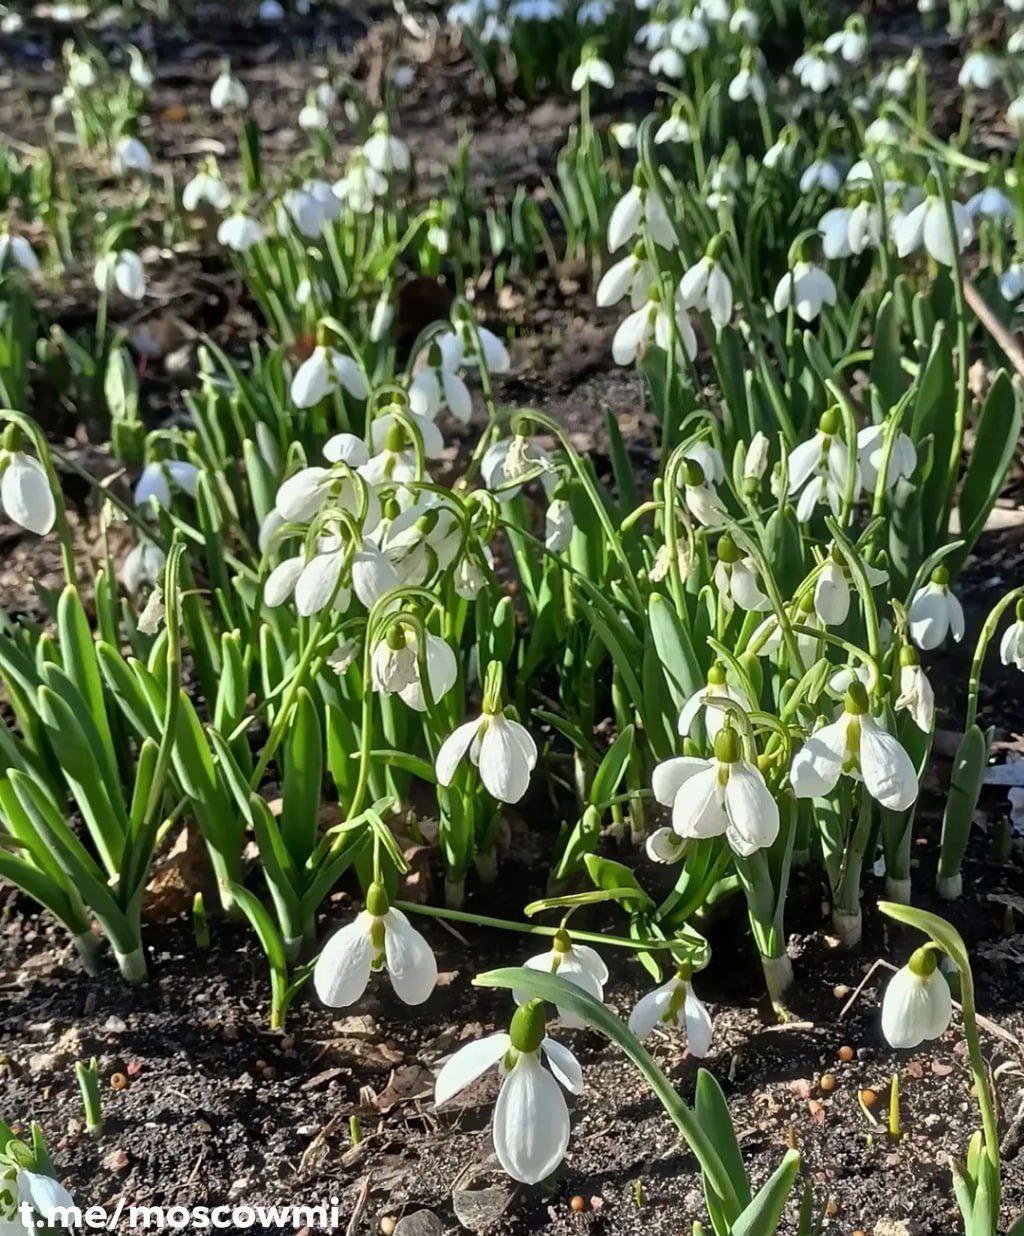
(501, 749)
(916, 695)
(311, 207)
(850, 43)
(536, 10)
(834, 229)
(724, 180)
(312, 118)
(160, 478)
(123, 270)
(664, 846)
(399, 442)
(706, 286)
(723, 795)
(624, 132)
(420, 541)
(688, 34)
(715, 717)
(383, 316)
(870, 452)
(675, 128)
(280, 583)
(395, 666)
(900, 77)
(1011, 646)
(917, 1004)
(821, 174)
(379, 938)
(81, 74)
(138, 70)
(990, 203)
(979, 70)
(592, 69)
(25, 493)
(468, 578)
(360, 187)
(271, 11)
(438, 383)
(206, 186)
(636, 207)
(832, 595)
(240, 232)
(709, 458)
(41, 1194)
(807, 288)
(531, 1117)
(384, 152)
(855, 745)
(651, 35)
(228, 94)
(1011, 282)
(746, 23)
(142, 566)
(480, 344)
(131, 156)
(595, 12)
(674, 1006)
(558, 525)
(755, 462)
(927, 226)
(303, 494)
(935, 613)
(668, 62)
(323, 372)
(16, 251)
(578, 964)
(883, 131)
(748, 84)
(701, 496)
(630, 276)
(1015, 113)
(652, 322)
(816, 72)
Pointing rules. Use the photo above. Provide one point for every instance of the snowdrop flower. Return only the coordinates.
(917, 1004)
(651, 35)
(980, 69)
(16, 251)
(501, 749)
(755, 461)
(935, 613)
(688, 34)
(857, 746)
(592, 69)
(724, 795)
(1011, 646)
(625, 133)
(675, 128)
(807, 288)
(509, 459)
(309, 208)
(706, 286)
(664, 846)
(378, 938)
(916, 695)
(483, 345)
(870, 451)
(142, 566)
(595, 12)
(674, 1005)
(536, 10)
(131, 156)
(531, 1117)
(239, 232)
(850, 43)
(716, 717)
(927, 226)
(468, 578)
(123, 270)
(19, 1188)
(834, 229)
(138, 70)
(748, 83)
(1015, 113)
(818, 469)
(832, 594)
(782, 151)
(736, 578)
(1011, 282)
(25, 493)
(158, 479)
(667, 62)
(701, 496)
(821, 174)
(558, 525)
(746, 23)
(653, 322)
(208, 186)
(990, 203)
(900, 77)
(384, 152)
(312, 117)
(816, 72)
(578, 964)
(636, 207)
(438, 383)
(395, 666)
(227, 93)
(630, 276)
(323, 372)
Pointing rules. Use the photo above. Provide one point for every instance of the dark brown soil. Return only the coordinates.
(217, 1109)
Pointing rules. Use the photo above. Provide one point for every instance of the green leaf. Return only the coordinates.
(675, 651)
(762, 1216)
(606, 873)
(607, 778)
(995, 443)
(303, 778)
(713, 1113)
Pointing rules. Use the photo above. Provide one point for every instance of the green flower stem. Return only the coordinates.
(962, 387)
(984, 639)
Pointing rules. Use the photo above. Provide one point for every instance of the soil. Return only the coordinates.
(203, 1105)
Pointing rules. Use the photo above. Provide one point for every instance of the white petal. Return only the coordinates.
(915, 1009)
(503, 766)
(625, 219)
(281, 581)
(818, 764)
(301, 496)
(317, 582)
(753, 812)
(343, 968)
(888, 771)
(669, 775)
(649, 1010)
(928, 617)
(698, 811)
(43, 1192)
(698, 1025)
(453, 749)
(26, 495)
(531, 1122)
(410, 960)
(564, 1065)
(469, 1063)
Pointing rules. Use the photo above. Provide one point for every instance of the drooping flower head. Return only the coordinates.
(674, 1006)
(578, 964)
(917, 1004)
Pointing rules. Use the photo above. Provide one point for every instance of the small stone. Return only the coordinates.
(828, 1082)
(387, 1225)
(115, 1025)
(840, 991)
(116, 1161)
(419, 1223)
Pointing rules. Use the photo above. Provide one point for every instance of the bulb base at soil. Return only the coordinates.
(949, 887)
(132, 965)
(897, 890)
(778, 975)
(848, 926)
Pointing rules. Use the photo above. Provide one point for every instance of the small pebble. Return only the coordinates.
(831, 1210)
(840, 991)
(387, 1225)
